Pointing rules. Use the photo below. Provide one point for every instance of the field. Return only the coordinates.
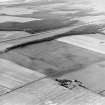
(52, 57)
